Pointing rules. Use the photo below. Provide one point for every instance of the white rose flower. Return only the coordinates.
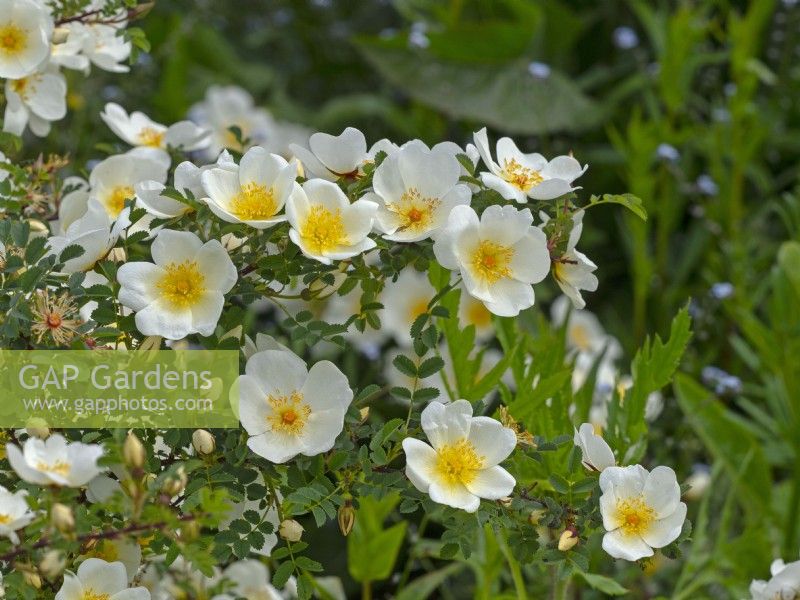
(595, 452)
(101, 45)
(403, 301)
(472, 311)
(25, 31)
(641, 510)
(499, 256)
(255, 192)
(334, 156)
(97, 579)
(231, 106)
(113, 180)
(14, 513)
(251, 580)
(183, 290)
(94, 232)
(54, 461)
(784, 584)
(461, 465)
(573, 271)
(519, 176)
(138, 129)
(35, 101)
(325, 225)
(415, 189)
(289, 410)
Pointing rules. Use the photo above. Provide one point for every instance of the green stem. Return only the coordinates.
(366, 590)
(516, 571)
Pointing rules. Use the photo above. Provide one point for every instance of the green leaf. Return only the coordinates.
(371, 549)
(603, 584)
(789, 261)
(629, 201)
(405, 365)
(506, 96)
(424, 586)
(729, 441)
(430, 366)
(653, 367)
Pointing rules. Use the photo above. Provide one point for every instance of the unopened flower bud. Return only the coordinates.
(568, 540)
(364, 414)
(506, 501)
(536, 516)
(346, 517)
(53, 564)
(290, 530)
(133, 452)
(176, 484)
(62, 518)
(38, 428)
(29, 574)
(203, 441)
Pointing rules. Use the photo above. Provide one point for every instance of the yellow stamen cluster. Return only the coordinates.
(290, 413)
(579, 336)
(115, 199)
(323, 230)
(491, 261)
(151, 137)
(522, 178)
(13, 40)
(19, 86)
(634, 515)
(477, 314)
(254, 203)
(416, 308)
(4, 519)
(183, 285)
(92, 595)
(59, 467)
(458, 463)
(415, 212)
(54, 316)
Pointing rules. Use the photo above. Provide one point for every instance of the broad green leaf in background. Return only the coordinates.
(371, 549)
(603, 584)
(504, 96)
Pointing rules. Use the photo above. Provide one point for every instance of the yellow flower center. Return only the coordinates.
(415, 212)
(579, 336)
(183, 284)
(491, 261)
(458, 463)
(59, 467)
(323, 230)
(108, 551)
(522, 178)
(477, 314)
(92, 595)
(290, 413)
(151, 137)
(19, 86)
(254, 203)
(4, 519)
(419, 306)
(13, 39)
(115, 199)
(634, 515)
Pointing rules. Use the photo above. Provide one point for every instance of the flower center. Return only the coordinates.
(634, 515)
(254, 202)
(4, 519)
(59, 467)
(13, 40)
(458, 463)
(290, 413)
(183, 284)
(491, 261)
(53, 321)
(478, 314)
(107, 551)
(92, 595)
(151, 137)
(19, 86)
(415, 212)
(579, 336)
(520, 177)
(115, 199)
(419, 306)
(323, 230)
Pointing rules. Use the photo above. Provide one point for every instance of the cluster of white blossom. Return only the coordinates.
(34, 47)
